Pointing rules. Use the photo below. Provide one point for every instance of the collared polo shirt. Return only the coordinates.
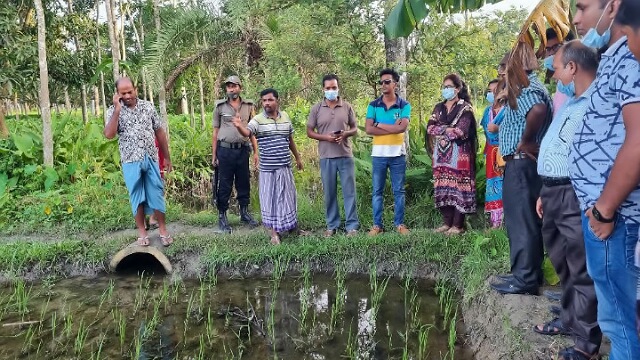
(272, 136)
(327, 120)
(136, 131)
(223, 119)
(391, 145)
(515, 120)
(601, 134)
(553, 160)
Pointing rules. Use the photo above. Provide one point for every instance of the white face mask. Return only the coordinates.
(331, 95)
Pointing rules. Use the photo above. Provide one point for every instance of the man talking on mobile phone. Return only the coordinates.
(332, 122)
(138, 125)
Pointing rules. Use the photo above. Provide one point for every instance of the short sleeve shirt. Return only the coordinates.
(391, 145)
(553, 160)
(327, 120)
(600, 135)
(273, 140)
(136, 131)
(223, 119)
(515, 120)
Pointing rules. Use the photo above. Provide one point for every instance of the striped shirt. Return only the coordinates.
(515, 120)
(391, 145)
(601, 134)
(553, 160)
(273, 140)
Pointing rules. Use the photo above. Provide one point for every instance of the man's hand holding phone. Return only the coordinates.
(337, 136)
(117, 101)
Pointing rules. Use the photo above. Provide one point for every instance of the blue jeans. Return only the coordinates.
(610, 264)
(397, 167)
(330, 169)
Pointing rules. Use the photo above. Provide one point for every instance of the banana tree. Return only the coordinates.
(407, 14)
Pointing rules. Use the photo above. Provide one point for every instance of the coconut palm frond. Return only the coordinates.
(547, 14)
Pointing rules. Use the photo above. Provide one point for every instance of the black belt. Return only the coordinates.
(519, 156)
(229, 145)
(551, 181)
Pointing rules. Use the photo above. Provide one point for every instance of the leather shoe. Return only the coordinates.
(223, 222)
(245, 216)
(509, 287)
(505, 277)
(553, 295)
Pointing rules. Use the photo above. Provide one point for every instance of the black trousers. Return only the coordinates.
(520, 191)
(233, 166)
(563, 238)
(452, 217)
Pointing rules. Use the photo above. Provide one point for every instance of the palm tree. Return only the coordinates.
(47, 135)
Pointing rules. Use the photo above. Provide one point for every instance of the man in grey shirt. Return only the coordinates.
(332, 122)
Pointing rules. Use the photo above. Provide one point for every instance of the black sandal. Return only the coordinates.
(571, 353)
(553, 327)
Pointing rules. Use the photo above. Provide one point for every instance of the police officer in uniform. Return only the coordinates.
(231, 152)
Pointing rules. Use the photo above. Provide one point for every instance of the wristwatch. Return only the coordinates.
(375, 124)
(598, 216)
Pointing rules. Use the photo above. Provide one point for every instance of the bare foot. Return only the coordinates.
(454, 231)
(275, 240)
(442, 229)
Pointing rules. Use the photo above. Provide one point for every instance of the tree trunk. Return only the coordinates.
(113, 39)
(67, 100)
(96, 101)
(83, 97)
(203, 122)
(123, 45)
(162, 94)
(184, 105)
(396, 57)
(4, 131)
(47, 134)
(99, 50)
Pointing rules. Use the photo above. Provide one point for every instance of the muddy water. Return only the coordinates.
(313, 317)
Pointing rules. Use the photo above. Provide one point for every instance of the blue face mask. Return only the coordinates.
(490, 97)
(569, 90)
(448, 93)
(548, 63)
(595, 40)
(331, 95)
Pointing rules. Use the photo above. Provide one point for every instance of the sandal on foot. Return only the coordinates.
(571, 353)
(553, 327)
(143, 241)
(275, 240)
(166, 240)
(442, 229)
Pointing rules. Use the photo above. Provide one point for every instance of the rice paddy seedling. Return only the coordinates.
(453, 334)
(68, 325)
(100, 345)
(54, 323)
(201, 348)
(28, 340)
(21, 296)
(81, 337)
(337, 308)
(423, 341)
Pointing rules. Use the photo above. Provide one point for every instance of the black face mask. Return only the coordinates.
(232, 96)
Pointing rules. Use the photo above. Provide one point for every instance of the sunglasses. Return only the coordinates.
(385, 82)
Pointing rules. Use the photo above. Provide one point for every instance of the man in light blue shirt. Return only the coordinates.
(575, 68)
(605, 173)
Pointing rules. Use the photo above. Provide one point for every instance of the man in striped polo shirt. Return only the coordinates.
(387, 121)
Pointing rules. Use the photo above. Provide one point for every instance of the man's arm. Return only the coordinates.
(214, 146)
(161, 136)
(374, 130)
(397, 128)
(625, 174)
(111, 129)
(311, 133)
(534, 121)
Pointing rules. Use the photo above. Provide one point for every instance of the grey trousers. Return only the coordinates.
(329, 171)
(564, 240)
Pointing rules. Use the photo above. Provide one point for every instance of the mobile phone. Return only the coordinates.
(338, 132)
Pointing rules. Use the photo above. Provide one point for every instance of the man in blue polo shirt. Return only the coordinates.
(605, 172)
(387, 121)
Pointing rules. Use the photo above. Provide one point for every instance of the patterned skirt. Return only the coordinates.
(493, 195)
(454, 178)
(278, 204)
